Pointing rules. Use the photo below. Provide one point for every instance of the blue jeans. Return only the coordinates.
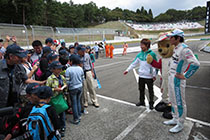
(75, 95)
(96, 55)
(62, 118)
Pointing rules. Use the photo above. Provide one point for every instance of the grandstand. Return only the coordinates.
(165, 26)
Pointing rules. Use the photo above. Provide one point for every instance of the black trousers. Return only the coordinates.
(149, 82)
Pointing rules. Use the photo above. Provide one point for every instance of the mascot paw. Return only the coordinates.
(149, 59)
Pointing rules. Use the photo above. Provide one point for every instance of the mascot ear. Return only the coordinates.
(149, 59)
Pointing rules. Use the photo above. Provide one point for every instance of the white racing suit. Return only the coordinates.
(182, 57)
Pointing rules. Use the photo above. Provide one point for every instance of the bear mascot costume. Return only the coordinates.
(165, 49)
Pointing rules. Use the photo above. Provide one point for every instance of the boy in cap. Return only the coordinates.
(31, 94)
(58, 83)
(75, 77)
(45, 93)
(178, 63)
(63, 47)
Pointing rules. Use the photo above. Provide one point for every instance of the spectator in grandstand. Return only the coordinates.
(56, 81)
(107, 49)
(63, 47)
(75, 77)
(37, 46)
(125, 46)
(89, 74)
(111, 49)
(12, 75)
(96, 49)
(147, 73)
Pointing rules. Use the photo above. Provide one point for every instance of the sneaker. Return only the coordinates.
(171, 122)
(140, 104)
(85, 112)
(76, 122)
(62, 132)
(96, 105)
(177, 128)
(80, 118)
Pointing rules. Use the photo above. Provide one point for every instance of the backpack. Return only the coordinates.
(39, 125)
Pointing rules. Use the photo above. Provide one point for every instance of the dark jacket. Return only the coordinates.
(18, 76)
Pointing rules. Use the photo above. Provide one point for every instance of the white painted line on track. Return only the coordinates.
(110, 64)
(132, 104)
(116, 100)
(124, 133)
(204, 62)
(198, 121)
(197, 87)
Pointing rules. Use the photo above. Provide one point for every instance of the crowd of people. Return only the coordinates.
(165, 26)
(48, 82)
(31, 80)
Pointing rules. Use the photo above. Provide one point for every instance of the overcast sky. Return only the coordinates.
(157, 6)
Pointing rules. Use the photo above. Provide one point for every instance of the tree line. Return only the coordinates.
(57, 14)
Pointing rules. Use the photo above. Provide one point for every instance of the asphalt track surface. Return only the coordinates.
(119, 118)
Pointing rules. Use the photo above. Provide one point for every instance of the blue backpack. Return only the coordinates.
(39, 124)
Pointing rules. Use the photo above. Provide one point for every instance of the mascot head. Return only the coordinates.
(165, 49)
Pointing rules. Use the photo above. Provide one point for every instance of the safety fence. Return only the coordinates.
(27, 34)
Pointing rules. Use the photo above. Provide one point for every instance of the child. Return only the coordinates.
(56, 81)
(45, 93)
(75, 77)
(23, 112)
(147, 73)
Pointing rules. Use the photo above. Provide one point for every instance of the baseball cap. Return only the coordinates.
(50, 40)
(162, 36)
(75, 59)
(88, 47)
(46, 49)
(81, 47)
(45, 92)
(32, 88)
(56, 65)
(176, 32)
(52, 56)
(63, 44)
(16, 50)
(64, 54)
(71, 46)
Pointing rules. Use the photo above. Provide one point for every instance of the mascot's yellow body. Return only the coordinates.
(165, 49)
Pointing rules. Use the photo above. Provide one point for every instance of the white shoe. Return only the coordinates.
(171, 122)
(177, 128)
